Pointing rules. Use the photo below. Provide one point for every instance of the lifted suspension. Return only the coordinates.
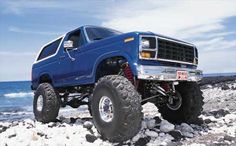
(165, 95)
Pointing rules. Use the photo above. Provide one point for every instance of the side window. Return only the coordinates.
(49, 49)
(77, 39)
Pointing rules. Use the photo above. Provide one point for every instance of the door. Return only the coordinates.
(69, 60)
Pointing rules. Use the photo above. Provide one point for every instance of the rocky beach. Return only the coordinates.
(215, 127)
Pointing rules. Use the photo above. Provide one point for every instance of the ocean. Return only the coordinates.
(16, 100)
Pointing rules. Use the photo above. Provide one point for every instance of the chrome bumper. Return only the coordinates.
(166, 73)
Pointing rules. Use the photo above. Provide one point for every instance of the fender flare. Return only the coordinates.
(114, 54)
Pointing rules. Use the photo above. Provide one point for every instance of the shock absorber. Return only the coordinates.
(128, 73)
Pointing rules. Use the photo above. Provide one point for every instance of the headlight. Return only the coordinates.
(148, 47)
(145, 43)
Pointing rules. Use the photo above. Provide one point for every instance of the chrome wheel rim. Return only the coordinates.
(40, 103)
(106, 109)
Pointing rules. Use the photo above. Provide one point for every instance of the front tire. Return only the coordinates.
(116, 108)
(46, 103)
(192, 102)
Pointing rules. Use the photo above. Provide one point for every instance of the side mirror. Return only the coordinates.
(68, 44)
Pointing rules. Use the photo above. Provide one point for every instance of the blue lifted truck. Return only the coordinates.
(115, 73)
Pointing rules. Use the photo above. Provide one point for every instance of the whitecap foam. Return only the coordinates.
(19, 94)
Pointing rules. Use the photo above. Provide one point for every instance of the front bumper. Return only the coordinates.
(163, 73)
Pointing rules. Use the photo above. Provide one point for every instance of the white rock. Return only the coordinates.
(151, 133)
(161, 134)
(197, 144)
(88, 124)
(136, 137)
(166, 126)
(188, 134)
(151, 124)
(144, 125)
(186, 128)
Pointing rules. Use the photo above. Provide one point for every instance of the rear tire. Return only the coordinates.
(125, 106)
(46, 103)
(192, 102)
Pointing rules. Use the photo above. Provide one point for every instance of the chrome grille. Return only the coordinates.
(171, 50)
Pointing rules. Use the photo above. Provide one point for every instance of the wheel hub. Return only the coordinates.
(40, 103)
(174, 101)
(106, 109)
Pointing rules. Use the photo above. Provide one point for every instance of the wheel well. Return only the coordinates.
(109, 66)
(45, 79)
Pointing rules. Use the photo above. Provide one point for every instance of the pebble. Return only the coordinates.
(229, 138)
(166, 126)
(225, 87)
(187, 134)
(142, 141)
(219, 113)
(90, 138)
(88, 125)
(151, 133)
(151, 124)
(176, 134)
(158, 120)
(186, 128)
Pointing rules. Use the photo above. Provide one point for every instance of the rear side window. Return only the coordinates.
(49, 49)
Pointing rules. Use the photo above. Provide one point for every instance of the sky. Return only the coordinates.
(26, 25)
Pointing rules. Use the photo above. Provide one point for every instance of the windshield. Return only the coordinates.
(98, 33)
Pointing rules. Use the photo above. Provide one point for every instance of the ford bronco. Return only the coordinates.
(115, 73)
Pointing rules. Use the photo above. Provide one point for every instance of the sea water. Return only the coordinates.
(16, 100)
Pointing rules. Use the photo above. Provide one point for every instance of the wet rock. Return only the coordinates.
(229, 138)
(176, 134)
(219, 113)
(166, 126)
(88, 124)
(225, 87)
(142, 141)
(90, 138)
(151, 124)
(151, 133)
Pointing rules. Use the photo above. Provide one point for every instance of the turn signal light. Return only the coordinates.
(145, 54)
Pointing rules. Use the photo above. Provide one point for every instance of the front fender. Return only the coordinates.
(103, 57)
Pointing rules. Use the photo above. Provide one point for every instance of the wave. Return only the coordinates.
(19, 94)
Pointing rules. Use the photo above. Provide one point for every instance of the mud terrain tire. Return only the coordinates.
(192, 102)
(50, 103)
(126, 106)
